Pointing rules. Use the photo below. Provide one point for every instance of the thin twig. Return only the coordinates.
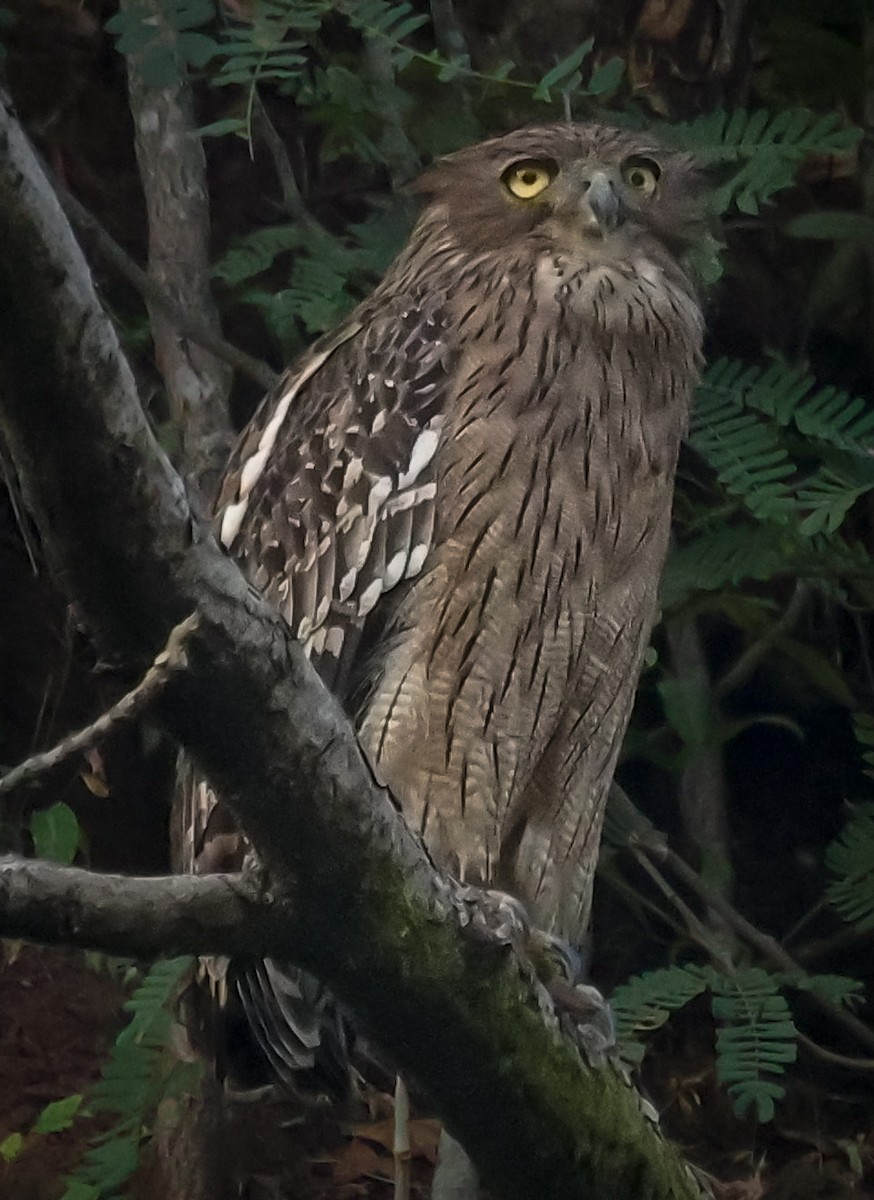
(401, 1147)
(812, 913)
(7, 473)
(695, 926)
(654, 845)
(121, 261)
(448, 34)
(291, 194)
(702, 790)
(397, 149)
(635, 900)
(840, 942)
(171, 660)
(747, 663)
(836, 1060)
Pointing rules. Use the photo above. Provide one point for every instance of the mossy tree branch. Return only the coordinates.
(365, 908)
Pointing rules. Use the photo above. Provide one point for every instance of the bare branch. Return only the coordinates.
(703, 792)
(141, 917)
(845, 1061)
(294, 201)
(752, 658)
(187, 325)
(397, 149)
(695, 927)
(171, 659)
(654, 844)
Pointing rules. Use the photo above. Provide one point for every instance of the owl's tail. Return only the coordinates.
(298, 1027)
(260, 1021)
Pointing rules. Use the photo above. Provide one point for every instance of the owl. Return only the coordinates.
(460, 501)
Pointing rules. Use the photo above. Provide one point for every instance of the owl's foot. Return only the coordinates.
(557, 971)
(491, 915)
(553, 966)
(585, 1015)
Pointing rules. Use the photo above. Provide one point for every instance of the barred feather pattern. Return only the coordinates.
(460, 500)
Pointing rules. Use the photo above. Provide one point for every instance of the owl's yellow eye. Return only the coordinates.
(529, 178)
(641, 174)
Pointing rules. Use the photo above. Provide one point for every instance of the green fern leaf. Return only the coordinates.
(839, 989)
(377, 19)
(746, 453)
(727, 556)
(791, 396)
(850, 858)
(317, 294)
(131, 1085)
(741, 412)
(755, 1040)
(646, 1001)
(829, 494)
(564, 75)
(256, 252)
(767, 148)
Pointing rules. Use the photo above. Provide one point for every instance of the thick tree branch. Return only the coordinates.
(366, 910)
(139, 917)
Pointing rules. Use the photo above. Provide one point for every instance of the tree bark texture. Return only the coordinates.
(173, 173)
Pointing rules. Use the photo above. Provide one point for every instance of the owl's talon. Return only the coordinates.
(492, 915)
(584, 1013)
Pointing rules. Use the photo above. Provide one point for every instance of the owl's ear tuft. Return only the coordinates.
(432, 180)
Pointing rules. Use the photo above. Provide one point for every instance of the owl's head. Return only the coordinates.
(591, 188)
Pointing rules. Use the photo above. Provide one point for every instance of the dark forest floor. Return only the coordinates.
(59, 1013)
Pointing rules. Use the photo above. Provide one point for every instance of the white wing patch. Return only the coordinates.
(424, 449)
(232, 519)
(369, 597)
(331, 503)
(394, 570)
(252, 469)
(393, 543)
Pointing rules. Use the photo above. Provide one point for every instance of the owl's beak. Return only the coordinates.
(602, 205)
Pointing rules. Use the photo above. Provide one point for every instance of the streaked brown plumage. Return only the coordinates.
(461, 498)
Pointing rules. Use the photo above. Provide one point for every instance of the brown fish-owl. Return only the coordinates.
(460, 500)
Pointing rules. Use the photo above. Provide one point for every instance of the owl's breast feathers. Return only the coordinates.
(461, 503)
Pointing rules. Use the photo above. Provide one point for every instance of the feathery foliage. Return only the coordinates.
(793, 456)
(755, 1039)
(647, 1001)
(765, 148)
(139, 1073)
(756, 1036)
(850, 858)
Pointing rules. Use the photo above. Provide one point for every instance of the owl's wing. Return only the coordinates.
(329, 499)
(328, 503)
